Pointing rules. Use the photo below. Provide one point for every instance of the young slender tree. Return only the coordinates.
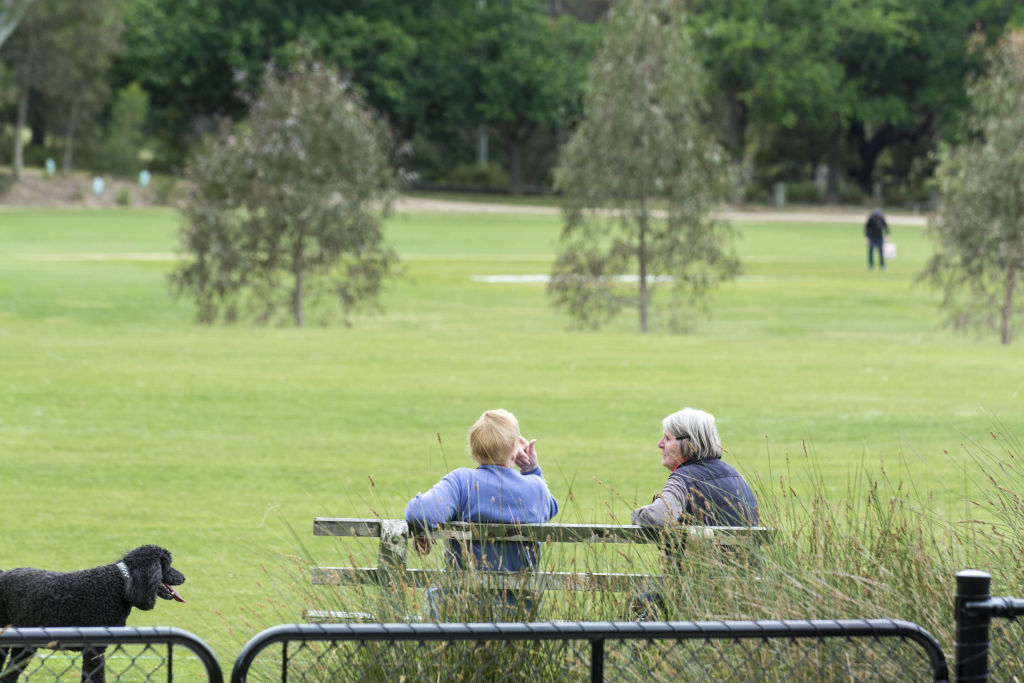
(641, 176)
(287, 206)
(978, 226)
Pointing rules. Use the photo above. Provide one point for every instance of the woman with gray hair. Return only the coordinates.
(701, 489)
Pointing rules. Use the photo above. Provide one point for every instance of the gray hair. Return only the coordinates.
(700, 429)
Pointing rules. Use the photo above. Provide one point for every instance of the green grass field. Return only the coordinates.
(122, 422)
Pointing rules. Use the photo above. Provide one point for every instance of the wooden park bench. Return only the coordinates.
(392, 571)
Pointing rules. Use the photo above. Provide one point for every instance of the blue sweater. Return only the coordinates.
(489, 493)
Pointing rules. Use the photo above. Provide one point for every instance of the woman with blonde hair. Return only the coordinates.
(492, 492)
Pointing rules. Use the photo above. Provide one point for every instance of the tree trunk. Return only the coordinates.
(36, 123)
(832, 178)
(1007, 312)
(481, 145)
(869, 149)
(515, 165)
(298, 263)
(736, 129)
(19, 145)
(69, 137)
(644, 295)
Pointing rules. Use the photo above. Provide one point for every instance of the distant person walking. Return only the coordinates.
(875, 230)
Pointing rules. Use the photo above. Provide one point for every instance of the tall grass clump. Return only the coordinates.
(997, 527)
(879, 551)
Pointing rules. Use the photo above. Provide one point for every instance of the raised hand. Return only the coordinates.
(526, 455)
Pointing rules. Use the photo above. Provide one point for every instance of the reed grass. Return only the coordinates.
(881, 551)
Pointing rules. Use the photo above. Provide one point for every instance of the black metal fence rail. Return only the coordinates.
(131, 654)
(979, 656)
(854, 649)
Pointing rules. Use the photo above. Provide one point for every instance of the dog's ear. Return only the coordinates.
(143, 583)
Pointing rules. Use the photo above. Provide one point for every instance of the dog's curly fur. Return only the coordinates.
(101, 596)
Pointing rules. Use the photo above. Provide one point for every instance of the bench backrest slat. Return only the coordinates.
(550, 533)
(346, 526)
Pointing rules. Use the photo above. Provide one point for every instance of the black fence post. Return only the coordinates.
(972, 626)
(597, 660)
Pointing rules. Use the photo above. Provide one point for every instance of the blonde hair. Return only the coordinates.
(494, 437)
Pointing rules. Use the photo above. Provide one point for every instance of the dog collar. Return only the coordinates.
(124, 570)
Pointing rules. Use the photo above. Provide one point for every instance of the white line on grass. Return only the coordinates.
(544, 278)
(99, 257)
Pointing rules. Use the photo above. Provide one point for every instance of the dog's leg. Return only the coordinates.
(20, 657)
(94, 669)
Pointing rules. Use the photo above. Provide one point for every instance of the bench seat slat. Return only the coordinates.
(536, 581)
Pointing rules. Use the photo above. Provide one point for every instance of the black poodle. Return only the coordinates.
(102, 596)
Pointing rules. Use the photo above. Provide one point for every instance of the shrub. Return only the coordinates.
(804, 192)
(479, 177)
(119, 152)
(850, 193)
(165, 190)
(426, 157)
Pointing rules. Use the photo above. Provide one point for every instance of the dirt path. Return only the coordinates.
(824, 215)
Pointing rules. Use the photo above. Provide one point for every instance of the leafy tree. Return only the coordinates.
(775, 74)
(200, 59)
(444, 86)
(527, 74)
(849, 83)
(287, 206)
(908, 72)
(978, 227)
(60, 52)
(78, 93)
(641, 175)
(196, 61)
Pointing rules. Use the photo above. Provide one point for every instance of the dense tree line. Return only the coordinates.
(835, 98)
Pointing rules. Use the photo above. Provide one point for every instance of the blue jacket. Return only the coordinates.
(489, 493)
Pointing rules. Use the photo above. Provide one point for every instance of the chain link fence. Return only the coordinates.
(138, 655)
(988, 643)
(1006, 661)
(852, 650)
